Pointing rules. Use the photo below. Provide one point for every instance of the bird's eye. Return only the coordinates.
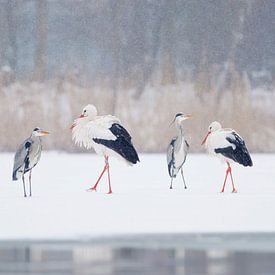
(85, 111)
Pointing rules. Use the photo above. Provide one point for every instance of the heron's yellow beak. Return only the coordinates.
(187, 117)
(44, 132)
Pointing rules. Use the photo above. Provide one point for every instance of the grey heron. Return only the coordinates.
(228, 146)
(106, 135)
(177, 149)
(27, 156)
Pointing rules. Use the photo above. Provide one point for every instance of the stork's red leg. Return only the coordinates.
(98, 180)
(234, 190)
(109, 178)
(227, 171)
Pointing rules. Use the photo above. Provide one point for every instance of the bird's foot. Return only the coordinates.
(222, 191)
(110, 192)
(185, 187)
(91, 189)
(171, 187)
(234, 190)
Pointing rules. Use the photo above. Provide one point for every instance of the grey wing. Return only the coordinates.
(20, 159)
(170, 156)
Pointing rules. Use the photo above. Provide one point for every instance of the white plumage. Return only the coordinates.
(228, 146)
(85, 130)
(106, 135)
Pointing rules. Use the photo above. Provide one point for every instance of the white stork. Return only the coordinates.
(226, 144)
(106, 135)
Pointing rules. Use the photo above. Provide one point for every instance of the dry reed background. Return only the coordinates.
(54, 104)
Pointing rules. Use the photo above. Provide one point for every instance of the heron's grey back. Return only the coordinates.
(26, 156)
(19, 158)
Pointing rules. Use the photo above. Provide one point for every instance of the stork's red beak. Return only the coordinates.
(73, 125)
(204, 140)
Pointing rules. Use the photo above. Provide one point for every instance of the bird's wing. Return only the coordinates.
(237, 150)
(119, 131)
(21, 156)
(117, 139)
(83, 135)
(170, 150)
(100, 127)
(170, 156)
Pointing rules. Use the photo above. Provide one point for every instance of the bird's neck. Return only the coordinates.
(80, 122)
(180, 131)
(36, 138)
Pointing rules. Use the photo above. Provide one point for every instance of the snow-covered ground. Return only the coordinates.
(141, 202)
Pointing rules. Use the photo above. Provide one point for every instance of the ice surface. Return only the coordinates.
(141, 202)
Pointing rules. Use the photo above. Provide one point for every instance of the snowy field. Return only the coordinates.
(141, 203)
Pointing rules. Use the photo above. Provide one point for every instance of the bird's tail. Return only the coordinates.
(243, 157)
(247, 161)
(16, 174)
(131, 154)
(172, 170)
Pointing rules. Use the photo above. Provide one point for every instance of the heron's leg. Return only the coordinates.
(234, 190)
(181, 170)
(98, 180)
(227, 171)
(171, 185)
(30, 182)
(23, 179)
(109, 178)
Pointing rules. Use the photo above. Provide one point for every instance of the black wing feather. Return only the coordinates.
(171, 163)
(120, 131)
(27, 161)
(240, 154)
(122, 145)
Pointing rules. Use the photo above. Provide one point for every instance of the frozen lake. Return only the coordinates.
(141, 203)
(143, 228)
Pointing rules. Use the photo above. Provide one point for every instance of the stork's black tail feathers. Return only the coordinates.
(14, 176)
